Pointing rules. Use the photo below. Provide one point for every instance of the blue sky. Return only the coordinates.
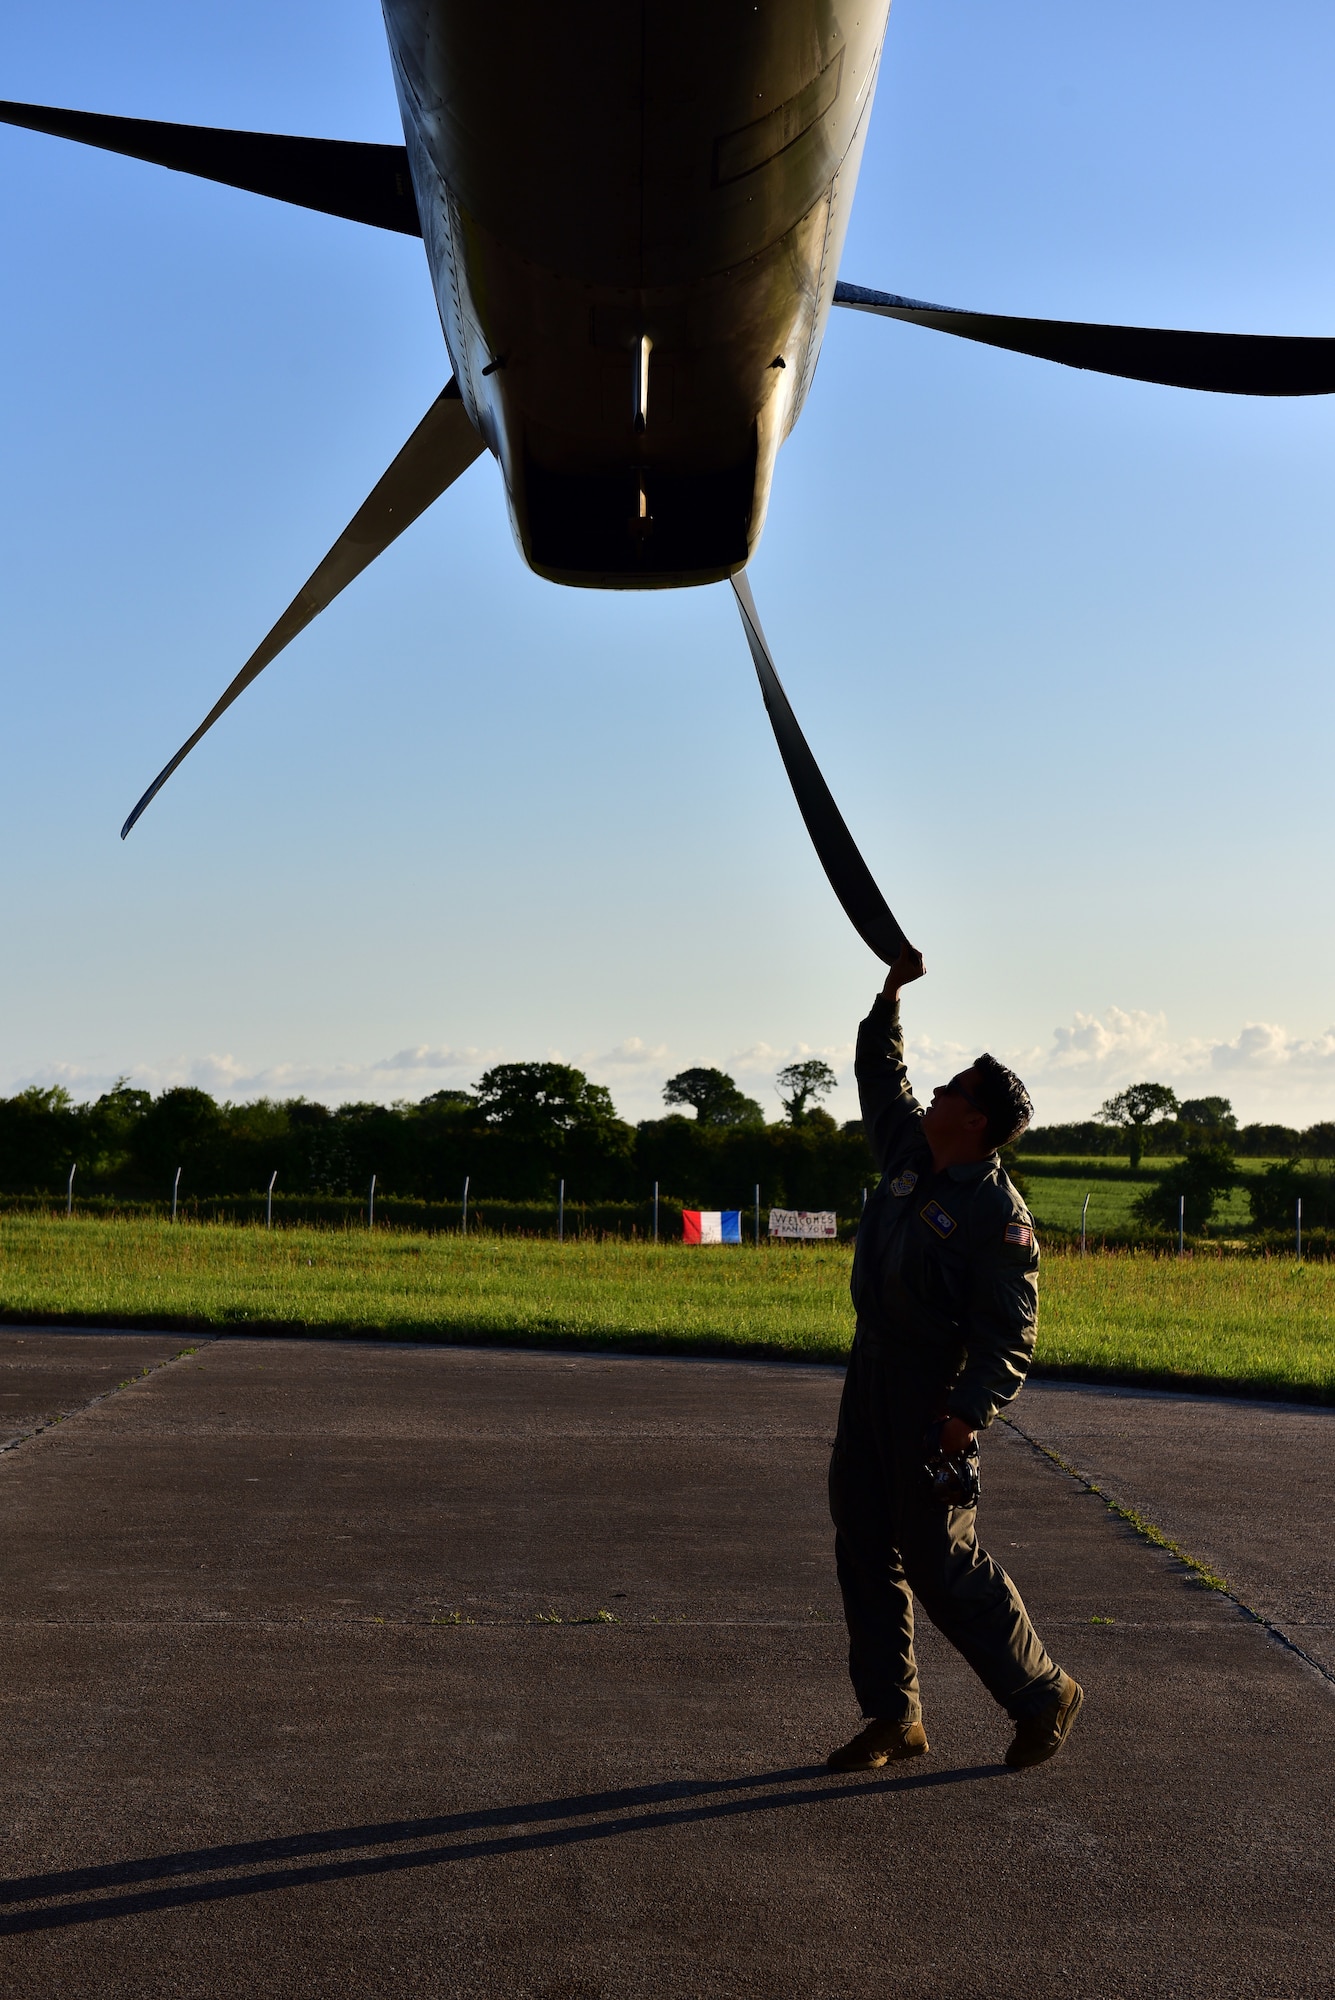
(1062, 644)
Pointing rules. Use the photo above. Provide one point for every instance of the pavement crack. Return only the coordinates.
(105, 1396)
(1155, 1536)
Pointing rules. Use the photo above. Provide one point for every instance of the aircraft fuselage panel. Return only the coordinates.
(634, 228)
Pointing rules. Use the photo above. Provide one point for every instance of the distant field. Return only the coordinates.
(1244, 1323)
(1056, 1204)
(1151, 1163)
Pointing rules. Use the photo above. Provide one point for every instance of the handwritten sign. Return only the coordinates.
(811, 1224)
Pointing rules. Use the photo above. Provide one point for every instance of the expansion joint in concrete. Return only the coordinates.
(1155, 1536)
(82, 1409)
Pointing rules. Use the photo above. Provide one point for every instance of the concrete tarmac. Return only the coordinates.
(1247, 1487)
(350, 1669)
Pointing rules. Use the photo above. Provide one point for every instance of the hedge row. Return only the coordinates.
(626, 1219)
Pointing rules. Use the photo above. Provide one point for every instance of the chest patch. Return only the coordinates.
(904, 1183)
(936, 1218)
(1019, 1232)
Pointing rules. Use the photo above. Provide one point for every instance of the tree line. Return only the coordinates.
(1149, 1118)
(525, 1127)
(521, 1129)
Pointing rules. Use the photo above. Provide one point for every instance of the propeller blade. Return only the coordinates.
(1231, 364)
(443, 446)
(850, 878)
(337, 176)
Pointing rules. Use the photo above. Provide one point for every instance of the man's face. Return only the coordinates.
(955, 1121)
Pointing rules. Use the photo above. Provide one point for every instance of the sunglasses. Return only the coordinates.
(956, 1089)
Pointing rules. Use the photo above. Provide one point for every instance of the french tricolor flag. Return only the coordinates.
(711, 1225)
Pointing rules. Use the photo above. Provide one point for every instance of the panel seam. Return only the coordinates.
(82, 1409)
(1155, 1536)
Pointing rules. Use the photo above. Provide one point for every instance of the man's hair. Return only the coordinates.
(1004, 1098)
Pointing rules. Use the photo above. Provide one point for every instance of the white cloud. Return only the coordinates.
(629, 1058)
(427, 1060)
(410, 1073)
(1267, 1072)
(1264, 1046)
(1120, 1037)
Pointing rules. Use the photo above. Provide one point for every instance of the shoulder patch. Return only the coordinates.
(904, 1183)
(936, 1218)
(1019, 1232)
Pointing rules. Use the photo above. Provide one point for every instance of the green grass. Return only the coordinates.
(1251, 1324)
(1055, 1204)
(1151, 1163)
(1255, 1324)
(786, 1300)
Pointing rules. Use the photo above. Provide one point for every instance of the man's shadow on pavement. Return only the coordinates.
(638, 1809)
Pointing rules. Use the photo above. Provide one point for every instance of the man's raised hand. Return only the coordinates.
(909, 966)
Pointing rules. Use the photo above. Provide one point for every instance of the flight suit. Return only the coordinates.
(945, 1286)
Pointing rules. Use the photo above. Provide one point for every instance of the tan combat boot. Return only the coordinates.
(1038, 1737)
(880, 1743)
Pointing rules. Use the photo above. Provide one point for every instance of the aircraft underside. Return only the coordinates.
(633, 233)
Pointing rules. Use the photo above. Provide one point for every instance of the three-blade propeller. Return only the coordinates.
(443, 445)
(370, 184)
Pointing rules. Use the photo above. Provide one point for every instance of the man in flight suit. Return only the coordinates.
(945, 1285)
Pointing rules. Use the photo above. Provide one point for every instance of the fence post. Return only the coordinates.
(1181, 1223)
(69, 1190)
(1300, 1229)
(268, 1206)
(561, 1213)
(757, 1215)
(176, 1188)
(370, 1206)
(655, 1211)
(465, 1220)
(1084, 1211)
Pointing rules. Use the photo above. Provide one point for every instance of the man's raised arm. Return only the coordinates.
(883, 1085)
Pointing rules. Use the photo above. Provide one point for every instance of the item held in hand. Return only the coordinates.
(954, 1476)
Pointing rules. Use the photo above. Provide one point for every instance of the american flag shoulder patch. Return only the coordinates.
(1019, 1232)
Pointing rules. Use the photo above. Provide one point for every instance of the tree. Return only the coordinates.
(1270, 1142)
(40, 1135)
(548, 1122)
(1318, 1142)
(1134, 1108)
(1189, 1189)
(804, 1081)
(181, 1128)
(120, 1108)
(1275, 1195)
(1214, 1115)
(713, 1096)
(543, 1100)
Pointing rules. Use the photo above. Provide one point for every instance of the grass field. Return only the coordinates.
(1151, 1163)
(1055, 1204)
(1254, 1325)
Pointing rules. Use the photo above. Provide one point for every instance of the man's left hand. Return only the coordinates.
(955, 1435)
